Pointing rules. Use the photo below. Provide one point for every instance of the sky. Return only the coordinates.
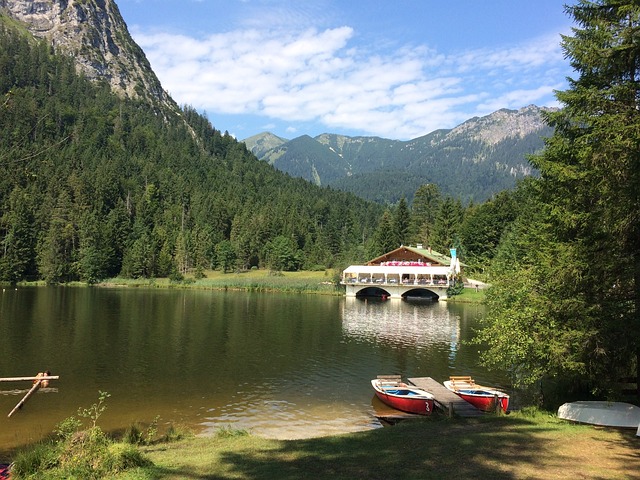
(396, 69)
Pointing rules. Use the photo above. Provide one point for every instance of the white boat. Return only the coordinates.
(607, 414)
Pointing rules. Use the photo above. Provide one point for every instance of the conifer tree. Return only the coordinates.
(402, 223)
(447, 223)
(424, 208)
(384, 239)
(582, 296)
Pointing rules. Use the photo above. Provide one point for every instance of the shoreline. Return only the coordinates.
(301, 282)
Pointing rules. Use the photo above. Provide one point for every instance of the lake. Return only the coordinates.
(278, 365)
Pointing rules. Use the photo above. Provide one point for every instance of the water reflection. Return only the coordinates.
(419, 325)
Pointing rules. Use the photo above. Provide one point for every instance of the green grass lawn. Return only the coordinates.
(250, 280)
(516, 446)
(529, 444)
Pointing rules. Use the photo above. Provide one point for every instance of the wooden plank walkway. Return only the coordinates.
(445, 399)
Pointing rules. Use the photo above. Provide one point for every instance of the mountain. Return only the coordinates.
(305, 157)
(263, 142)
(472, 161)
(95, 35)
(103, 175)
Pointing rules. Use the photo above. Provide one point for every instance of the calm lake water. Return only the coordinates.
(279, 365)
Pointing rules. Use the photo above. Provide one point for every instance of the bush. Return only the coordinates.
(123, 456)
(75, 453)
(228, 432)
(41, 456)
(456, 289)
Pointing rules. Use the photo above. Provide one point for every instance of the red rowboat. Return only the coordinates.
(403, 397)
(483, 398)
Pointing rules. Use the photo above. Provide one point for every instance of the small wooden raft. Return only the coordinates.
(40, 380)
(445, 399)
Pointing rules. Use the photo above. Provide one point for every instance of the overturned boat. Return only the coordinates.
(602, 413)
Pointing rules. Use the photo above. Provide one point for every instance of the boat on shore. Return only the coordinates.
(605, 414)
(487, 399)
(399, 395)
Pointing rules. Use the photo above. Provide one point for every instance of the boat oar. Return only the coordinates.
(33, 390)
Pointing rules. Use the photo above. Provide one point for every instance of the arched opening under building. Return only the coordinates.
(373, 292)
(420, 295)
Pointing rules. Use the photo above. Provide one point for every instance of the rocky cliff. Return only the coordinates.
(94, 33)
(502, 125)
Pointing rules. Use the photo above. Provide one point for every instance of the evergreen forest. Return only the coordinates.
(94, 186)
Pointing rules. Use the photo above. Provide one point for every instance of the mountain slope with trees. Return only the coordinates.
(473, 161)
(94, 185)
(95, 35)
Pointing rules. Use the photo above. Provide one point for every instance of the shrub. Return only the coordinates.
(41, 456)
(75, 453)
(123, 456)
(226, 432)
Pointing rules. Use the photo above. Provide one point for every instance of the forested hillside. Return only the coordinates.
(473, 161)
(93, 186)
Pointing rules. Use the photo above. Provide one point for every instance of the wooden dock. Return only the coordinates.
(446, 400)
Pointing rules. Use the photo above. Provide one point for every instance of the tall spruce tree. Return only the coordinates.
(402, 222)
(385, 238)
(572, 309)
(424, 209)
(447, 223)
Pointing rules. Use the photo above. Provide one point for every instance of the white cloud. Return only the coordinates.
(325, 76)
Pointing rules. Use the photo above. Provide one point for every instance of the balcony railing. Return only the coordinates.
(422, 282)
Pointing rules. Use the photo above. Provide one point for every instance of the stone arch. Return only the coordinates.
(373, 292)
(421, 294)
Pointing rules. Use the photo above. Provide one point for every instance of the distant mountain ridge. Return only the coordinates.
(472, 161)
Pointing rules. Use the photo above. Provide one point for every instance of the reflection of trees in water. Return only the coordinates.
(400, 322)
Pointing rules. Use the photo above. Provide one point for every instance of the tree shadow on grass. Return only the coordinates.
(415, 450)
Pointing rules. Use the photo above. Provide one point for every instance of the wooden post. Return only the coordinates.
(498, 406)
(450, 409)
(23, 379)
(33, 390)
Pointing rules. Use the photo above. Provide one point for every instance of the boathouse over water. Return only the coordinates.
(404, 272)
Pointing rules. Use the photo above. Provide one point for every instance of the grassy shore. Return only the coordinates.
(319, 282)
(527, 444)
(520, 445)
(251, 280)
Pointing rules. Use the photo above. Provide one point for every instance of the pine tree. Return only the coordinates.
(402, 222)
(582, 301)
(447, 224)
(18, 242)
(384, 239)
(424, 208)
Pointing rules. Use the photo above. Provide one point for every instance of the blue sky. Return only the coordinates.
(395, 69)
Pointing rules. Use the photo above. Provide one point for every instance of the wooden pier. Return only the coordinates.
(445, 399)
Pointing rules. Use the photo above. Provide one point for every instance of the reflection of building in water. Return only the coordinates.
(401, 323)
